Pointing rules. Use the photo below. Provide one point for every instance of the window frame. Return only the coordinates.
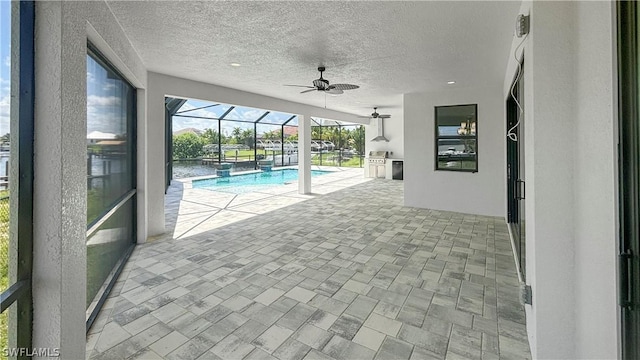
(438, 137)
(19, 292)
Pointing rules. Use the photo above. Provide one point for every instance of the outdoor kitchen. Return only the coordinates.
(384, 149)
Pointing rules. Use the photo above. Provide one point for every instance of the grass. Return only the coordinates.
(331, 159)
(242, 154)
(328, 158)
(4, 263)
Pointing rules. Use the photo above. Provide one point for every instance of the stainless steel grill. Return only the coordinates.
(378, 157)
(377, 161)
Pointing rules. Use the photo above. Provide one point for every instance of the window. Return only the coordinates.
(111, 177)
(456, 138)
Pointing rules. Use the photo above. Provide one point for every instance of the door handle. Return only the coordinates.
(624, 275)
(521, 189)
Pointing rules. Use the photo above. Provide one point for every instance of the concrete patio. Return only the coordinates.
(344, 273)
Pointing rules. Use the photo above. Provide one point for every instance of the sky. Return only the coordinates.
(5, 66)
(106, 99)
(238, 113)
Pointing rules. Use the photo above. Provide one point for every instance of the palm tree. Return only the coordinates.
(247, 138)
(210, 136)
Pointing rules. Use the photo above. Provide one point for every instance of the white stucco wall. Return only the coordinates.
(570, 179)
(161, 85)
(480, 193)
(60, 187)
(393, 131)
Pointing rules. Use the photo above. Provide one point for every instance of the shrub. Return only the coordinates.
(187, 146)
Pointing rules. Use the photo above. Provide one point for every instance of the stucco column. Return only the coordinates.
(155, 162)
(60, 180)
(304, 154)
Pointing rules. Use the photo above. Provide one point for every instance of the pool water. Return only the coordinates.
(240, 184)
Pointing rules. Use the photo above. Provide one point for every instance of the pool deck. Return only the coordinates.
(190, 211)
(346, 272)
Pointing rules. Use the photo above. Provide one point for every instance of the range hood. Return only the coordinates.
(380, 127)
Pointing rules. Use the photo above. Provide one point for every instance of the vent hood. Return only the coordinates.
(380, 127)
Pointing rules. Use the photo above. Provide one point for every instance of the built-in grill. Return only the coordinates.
(377, 161)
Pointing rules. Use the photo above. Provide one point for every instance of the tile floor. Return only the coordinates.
(344, 273)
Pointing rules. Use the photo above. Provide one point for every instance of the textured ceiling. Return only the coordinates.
(388, 48)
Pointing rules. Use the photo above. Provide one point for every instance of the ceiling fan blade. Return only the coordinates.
(304, 86)
(384, 116)
(306, 91)
(344, 86)
(365, 117)
(331, 91)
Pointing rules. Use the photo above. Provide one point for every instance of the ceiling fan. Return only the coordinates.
(323, 85)
(375, 115)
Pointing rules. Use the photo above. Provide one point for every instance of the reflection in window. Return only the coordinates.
(456, 138)
(111, 168)
(110, 108)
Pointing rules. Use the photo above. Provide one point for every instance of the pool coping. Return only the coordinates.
(187, 183)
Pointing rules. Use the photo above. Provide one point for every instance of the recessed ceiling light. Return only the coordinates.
(235, 64)
(451, 82)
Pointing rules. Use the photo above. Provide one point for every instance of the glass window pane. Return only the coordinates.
(111, 168)
(457, 154)
(456, 134)
(110, 143)
(453, 118)
(106, 247)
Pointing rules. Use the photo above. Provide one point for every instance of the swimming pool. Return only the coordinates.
(240, 184)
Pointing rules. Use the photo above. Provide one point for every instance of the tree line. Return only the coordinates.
(193, 146)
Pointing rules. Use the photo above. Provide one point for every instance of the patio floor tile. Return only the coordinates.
(346, 272)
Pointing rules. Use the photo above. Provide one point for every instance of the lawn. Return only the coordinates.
(328, 158)
(4, 263)
(331, 159)
(244, 154)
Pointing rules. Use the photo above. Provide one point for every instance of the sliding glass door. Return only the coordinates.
(515, 171)
(111, 177)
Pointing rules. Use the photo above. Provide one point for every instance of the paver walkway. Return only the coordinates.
(350, 274)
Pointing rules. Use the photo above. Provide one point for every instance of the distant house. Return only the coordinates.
(97, 136)
(290, 131)
(188, 131)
